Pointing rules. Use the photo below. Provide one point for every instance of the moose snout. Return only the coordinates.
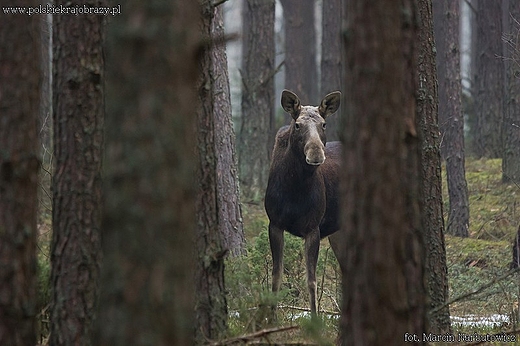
(314, 155)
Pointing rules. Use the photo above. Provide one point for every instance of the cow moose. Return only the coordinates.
(302, 195)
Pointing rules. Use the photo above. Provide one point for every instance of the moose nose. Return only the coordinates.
(315, 156)
(314, 162)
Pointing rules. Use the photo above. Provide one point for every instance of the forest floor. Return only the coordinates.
(484, 294)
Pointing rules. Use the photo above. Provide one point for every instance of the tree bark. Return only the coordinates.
(384, 295)
(19, 160)
(212, 247)
(46, 89)
(450, 113)
(431, 181)
(511, 155)
(301, 74)
(489, 80)
(331, 59)
(78, 116)
(147, 288)
(228, 194)
(258, 71)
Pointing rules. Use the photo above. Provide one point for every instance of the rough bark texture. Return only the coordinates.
(258, 71)
(511, 155)
(46, 92)
(331, 59)
(147, 290)
(384, 293)
(211, 306)
(19, 96)
(301, 74)
(230, 214)
(450, 113)
(431, 182)
(78, 116)
(489, 80)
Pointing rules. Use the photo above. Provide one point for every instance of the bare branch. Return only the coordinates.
(263, 81)
(475, 292)
(290, 307)
(248, 337)
(218, 2)
(274, 72)
(471, 6)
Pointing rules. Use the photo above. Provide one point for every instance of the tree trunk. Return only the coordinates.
(212, 247)
(384, 295)
(19, 100)
(45, 129)
(258, 71)
(331, 59)
(511, 155)
(46, 91)
(228, 194)
(301, 74)
(147, 291)
(431, 181)
(468, 9)
(489, 79)
(78, 116)
(450, 113)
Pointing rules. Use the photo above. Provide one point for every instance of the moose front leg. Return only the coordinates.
(276, 242)
(312, 248)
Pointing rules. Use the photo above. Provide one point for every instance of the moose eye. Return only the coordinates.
(324, 125)
(296, 126)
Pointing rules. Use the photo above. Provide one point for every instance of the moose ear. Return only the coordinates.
(330, 104)
(291, 103)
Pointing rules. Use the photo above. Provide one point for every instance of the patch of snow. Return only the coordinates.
(494, 320)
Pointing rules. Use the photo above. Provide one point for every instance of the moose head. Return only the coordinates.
(308, 125)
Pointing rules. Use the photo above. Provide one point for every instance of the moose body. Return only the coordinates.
(302, 190)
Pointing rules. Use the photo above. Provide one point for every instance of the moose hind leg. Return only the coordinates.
(337, 243)
(312, 248)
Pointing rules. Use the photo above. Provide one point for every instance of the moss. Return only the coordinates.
(494, 210)
(472, 262)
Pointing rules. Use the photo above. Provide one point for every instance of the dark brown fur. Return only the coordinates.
(300, 197)
(302, 190)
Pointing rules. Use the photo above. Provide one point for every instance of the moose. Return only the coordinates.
(302, 195)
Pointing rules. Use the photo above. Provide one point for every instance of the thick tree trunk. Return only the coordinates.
(258, 71)
(511, 155)
(384, 295)
(147, 289)
(228, 194)
(211, 306)
(301, 74)
(450, 113)
(431, 181)
(489, 80)
(78, 116)
(19, 100)
(331, 59)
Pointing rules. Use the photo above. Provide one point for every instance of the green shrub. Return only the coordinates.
(248, 280)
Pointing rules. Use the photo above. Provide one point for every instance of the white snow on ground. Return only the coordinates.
(474, 320)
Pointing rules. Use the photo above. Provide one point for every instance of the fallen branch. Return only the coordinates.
(248, 337)
(475, 292)
(290, 307)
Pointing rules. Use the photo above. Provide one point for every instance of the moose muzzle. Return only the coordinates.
(314, 153)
